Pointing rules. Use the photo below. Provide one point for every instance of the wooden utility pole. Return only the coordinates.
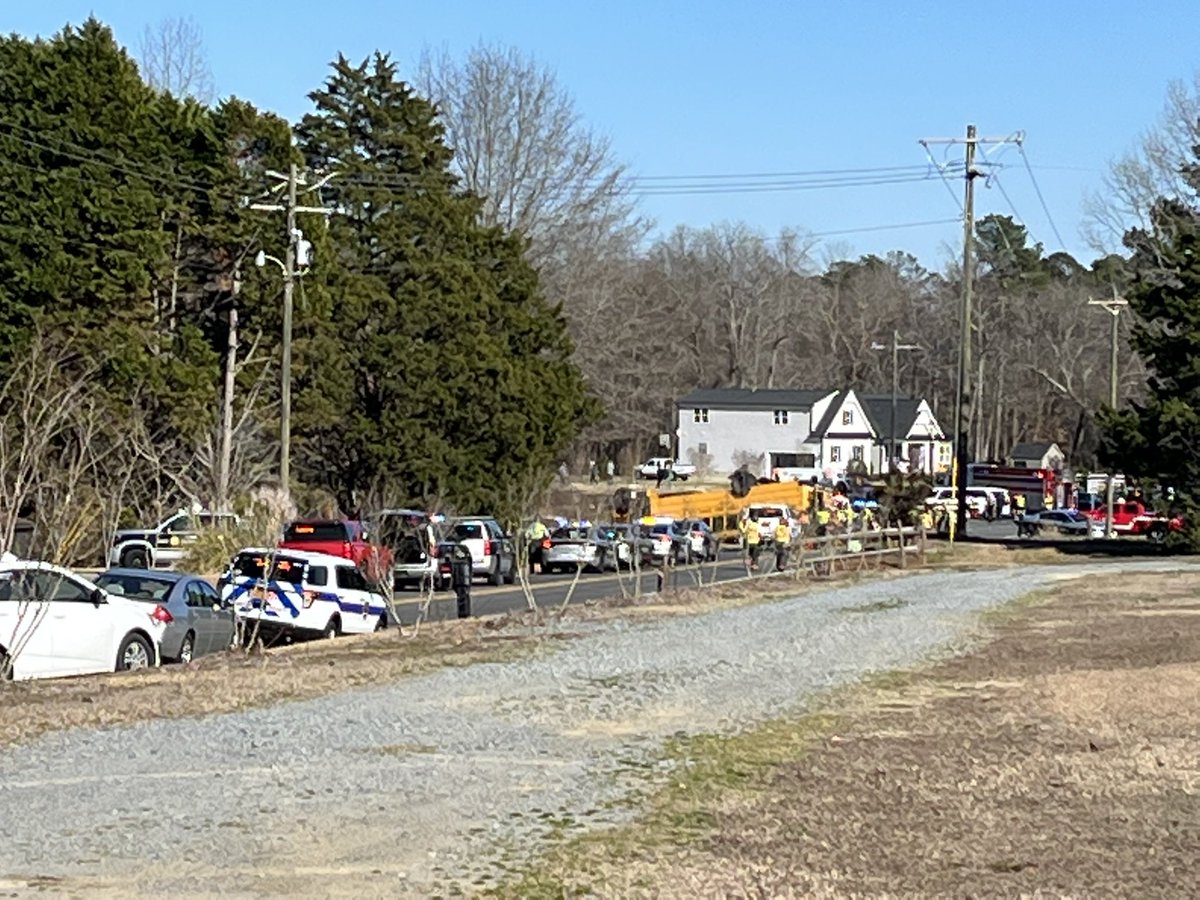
(296, 255)
(225, 461)
(963, 398)
(1114, 305)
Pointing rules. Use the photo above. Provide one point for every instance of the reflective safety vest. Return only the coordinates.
(783, 533)
(822, 516)
(750, 532)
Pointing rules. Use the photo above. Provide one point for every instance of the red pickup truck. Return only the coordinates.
(1132, 517)
(339, 537)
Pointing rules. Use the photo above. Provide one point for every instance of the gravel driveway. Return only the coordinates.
(424, 783)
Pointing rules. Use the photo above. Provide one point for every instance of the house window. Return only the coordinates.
(700, 415)
(847, 417)
(702, 448)
(856, 452)
(835, 454)
(781, 417)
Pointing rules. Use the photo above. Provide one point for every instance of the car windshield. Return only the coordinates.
(660, 529)
(301, 532)
(146, 588)
(466, 531)
(251, 565)
(765, 512)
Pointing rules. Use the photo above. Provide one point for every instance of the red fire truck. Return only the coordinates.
(1041, 487)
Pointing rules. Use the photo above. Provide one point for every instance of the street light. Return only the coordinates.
(1114, 306)
(896, 347)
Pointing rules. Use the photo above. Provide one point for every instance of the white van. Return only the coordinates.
(304, 592)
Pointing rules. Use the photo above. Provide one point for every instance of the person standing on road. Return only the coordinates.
(593, 472)
(783, 540)
(751, 541)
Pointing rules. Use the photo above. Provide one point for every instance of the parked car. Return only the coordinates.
(200, 624)
(411, 537)
(303, 593)
(55, 623)
(162, 546)
(660, 542)
(589, 546)
(702, 543)
(493, 553)
(768, 516)
(346, 538)
(947, 498)
(1064, 521)
(681, 470)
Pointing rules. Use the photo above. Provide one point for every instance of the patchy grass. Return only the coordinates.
(1060, 758)
(233, 681)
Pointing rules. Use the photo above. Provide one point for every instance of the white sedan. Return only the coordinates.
(54, 623)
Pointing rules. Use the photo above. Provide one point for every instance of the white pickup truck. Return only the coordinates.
(649, 469)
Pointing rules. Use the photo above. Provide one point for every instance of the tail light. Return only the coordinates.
(663, 537)
(546, 543)
(487, 548)
(162, 614)
(347, 552)
(309, 597)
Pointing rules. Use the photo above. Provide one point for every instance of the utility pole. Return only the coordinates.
(297, 254)
(224, 476)
(963, 398)
(1114, 307)
(896, 348)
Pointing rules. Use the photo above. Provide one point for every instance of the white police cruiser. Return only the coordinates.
(303, 592)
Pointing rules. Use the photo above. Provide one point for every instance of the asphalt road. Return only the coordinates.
(552, 590)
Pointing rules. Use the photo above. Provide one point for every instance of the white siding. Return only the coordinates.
(729, 432)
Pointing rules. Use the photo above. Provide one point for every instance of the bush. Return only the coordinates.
(261, 518)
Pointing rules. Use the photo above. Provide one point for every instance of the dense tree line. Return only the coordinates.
(482, 301)
(429, 367)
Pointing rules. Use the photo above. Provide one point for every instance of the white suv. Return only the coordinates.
(55, 623)
(298, 591)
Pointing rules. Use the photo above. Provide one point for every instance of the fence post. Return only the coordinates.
(900, 537)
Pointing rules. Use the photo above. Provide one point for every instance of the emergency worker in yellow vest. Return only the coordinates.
(783, 540)
(751, 540)
(823, 518)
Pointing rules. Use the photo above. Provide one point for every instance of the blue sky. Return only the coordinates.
(721, 88)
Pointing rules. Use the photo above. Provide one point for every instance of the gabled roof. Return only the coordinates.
(822, 426)
(878, 408)
(743, 398)
(1033, 449)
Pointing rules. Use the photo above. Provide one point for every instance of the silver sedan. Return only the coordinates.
(199, 624)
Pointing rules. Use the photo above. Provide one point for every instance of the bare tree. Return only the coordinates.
(173, 59)
(1152, 169)
(520, 145)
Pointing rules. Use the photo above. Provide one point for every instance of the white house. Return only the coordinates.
(1038, 455)
(805, 433)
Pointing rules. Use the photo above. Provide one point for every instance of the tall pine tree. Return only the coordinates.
(430, 368)
(1158, 437)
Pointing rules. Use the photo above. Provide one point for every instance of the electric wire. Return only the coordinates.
(1041, 198)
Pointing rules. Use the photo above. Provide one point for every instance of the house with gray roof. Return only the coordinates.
(806, 434)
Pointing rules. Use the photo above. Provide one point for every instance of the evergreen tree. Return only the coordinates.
(429, 367)
(1158, 437)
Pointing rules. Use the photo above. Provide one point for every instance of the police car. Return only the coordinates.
(298, 591)
(162, 546)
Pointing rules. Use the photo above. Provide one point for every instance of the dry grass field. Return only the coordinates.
(1060, 758)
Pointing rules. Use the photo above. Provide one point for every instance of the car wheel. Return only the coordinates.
(135, 653)
(333, 629)
(1157, 534)
(187, 650)
(6, 669)
(510, 577)
(135, 558)
(381, 623)
(495, 577)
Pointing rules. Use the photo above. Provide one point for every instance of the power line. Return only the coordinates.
(93, 157)
(1038, 190)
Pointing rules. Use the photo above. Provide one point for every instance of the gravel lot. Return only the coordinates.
(424, 784)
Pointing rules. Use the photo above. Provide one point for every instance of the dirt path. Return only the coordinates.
(1062, 758)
